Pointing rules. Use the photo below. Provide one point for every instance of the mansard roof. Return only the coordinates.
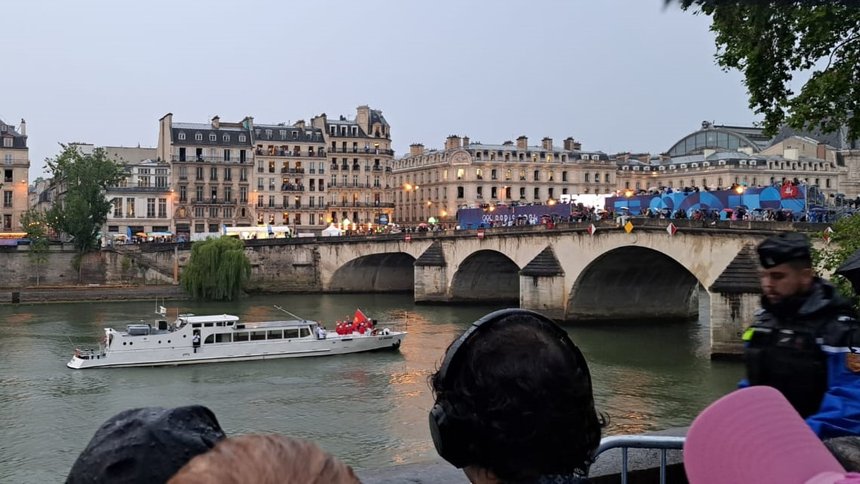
(280, 132)
(377, 117)
(19, 141)
(231, 131)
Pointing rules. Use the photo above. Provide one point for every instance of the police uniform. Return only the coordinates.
(805, 348)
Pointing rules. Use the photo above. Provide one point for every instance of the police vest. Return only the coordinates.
(790, 360)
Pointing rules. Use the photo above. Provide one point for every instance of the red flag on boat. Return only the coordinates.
(359, 318)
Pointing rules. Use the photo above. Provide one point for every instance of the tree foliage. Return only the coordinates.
(844, 241)
(770, 42)
(217, 270)
(82, 207)
(36, 226)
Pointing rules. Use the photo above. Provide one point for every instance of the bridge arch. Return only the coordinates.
(383, 272)
(634, 283)
(486, 275)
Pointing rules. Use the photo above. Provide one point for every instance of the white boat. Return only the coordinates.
(219, 338)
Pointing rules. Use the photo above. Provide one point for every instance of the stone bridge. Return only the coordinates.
(565, 272)
(570, 274)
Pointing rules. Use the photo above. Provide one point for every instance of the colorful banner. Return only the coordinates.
(502, 215)
(786, 197)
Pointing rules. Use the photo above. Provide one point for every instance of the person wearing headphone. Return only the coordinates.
(514, 403)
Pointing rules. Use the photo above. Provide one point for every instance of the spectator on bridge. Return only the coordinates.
(802, 342)
(513, 402)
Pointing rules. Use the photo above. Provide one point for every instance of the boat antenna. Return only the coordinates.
(289, 313)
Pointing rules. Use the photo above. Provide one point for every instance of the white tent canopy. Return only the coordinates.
(331, 231)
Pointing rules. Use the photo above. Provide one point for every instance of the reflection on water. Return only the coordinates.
(368, 409)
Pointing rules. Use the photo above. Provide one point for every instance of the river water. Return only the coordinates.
(368, 409)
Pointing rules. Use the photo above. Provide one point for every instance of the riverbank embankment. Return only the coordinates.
(90, 293)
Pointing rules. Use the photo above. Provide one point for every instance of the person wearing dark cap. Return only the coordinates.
(146, 445)
(802, 340)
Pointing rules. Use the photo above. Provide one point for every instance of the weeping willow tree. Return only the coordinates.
(218, 269)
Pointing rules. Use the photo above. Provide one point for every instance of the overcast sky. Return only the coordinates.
(617, 75)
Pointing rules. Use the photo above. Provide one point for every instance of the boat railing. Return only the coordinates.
(90, 354)
(662, 443)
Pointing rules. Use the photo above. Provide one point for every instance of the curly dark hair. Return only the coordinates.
(525, 398)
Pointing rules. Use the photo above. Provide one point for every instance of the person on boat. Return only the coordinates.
(195, 340)
(264, 459)
(514, 403)
(321, 333)
(802, 342)
(146, 445)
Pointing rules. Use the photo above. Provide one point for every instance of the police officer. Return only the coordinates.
(801, 342)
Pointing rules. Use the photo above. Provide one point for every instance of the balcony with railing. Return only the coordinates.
(341, 184)
(205, 159)
(164, 190)
(343, 204)
(213, 201)
(361, 151)
(292, 170)
(289, 187)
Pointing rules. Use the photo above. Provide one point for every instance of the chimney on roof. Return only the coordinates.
(508, 143)
(571, 145)
(453, 142)
(522, 143)
(416, 149)
(216, 122)
(299, 124)
(23, 127)
(820, 149)
(546, 143)
(466, 141)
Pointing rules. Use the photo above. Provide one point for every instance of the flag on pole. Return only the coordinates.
(591, 229)
(359, 317)
(671, 229)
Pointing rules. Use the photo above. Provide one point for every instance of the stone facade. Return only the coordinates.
(211, 173)
(303, 176)
(143, 201)
(717, 157)
(15, 180)
(289, 187)
(360, 156)
(466, 174)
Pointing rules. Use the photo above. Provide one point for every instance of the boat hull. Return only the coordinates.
(269, 350)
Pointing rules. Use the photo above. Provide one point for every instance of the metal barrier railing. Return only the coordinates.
(625, 442)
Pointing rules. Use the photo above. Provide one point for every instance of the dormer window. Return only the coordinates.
(212, 137)
(268, 133)
(198, 136)
(226, 138)
(242, 138)
(181, 136)
(283, 133)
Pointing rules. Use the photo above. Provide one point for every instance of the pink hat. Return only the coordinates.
(754, 435)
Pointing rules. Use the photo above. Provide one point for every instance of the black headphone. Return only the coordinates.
(452, 435)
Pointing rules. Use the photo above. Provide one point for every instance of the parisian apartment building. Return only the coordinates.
(301, 175)
(721, 156)
(15, 182)
(467, 174)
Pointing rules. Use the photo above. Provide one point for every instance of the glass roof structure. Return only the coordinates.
(719, 138)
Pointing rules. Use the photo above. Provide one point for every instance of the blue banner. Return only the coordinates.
(503, 215)
(788, 197)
